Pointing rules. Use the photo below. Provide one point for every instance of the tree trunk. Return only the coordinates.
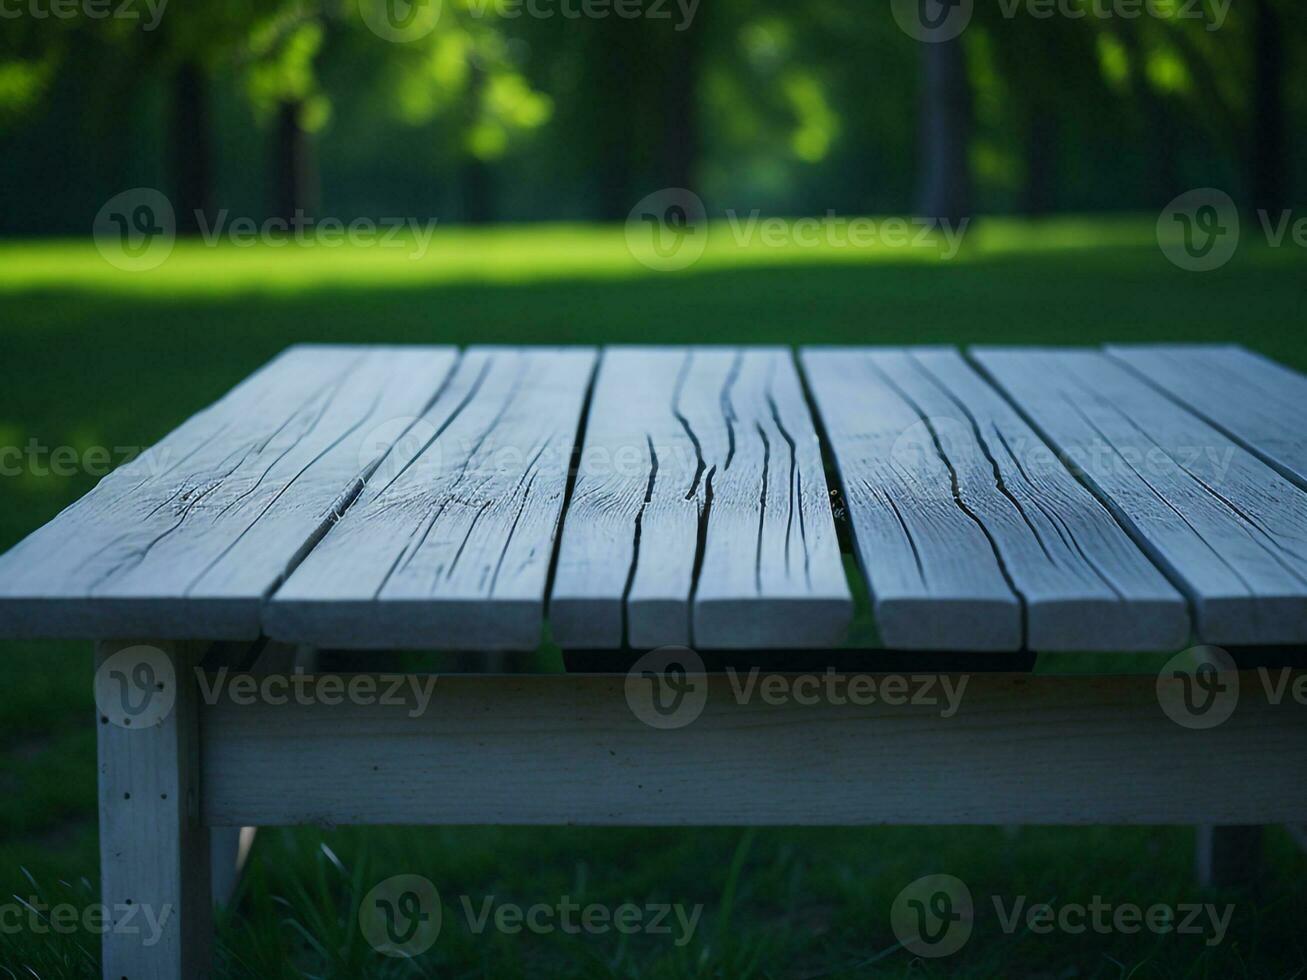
(1163, 182)
(192, 176)
(478, 192)
(680, 107)
(613, 95)
(1269, 146)
(475, 182)
(1041, 157)
(293, 180)
(945, 132)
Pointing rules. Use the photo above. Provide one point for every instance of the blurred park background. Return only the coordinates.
(476, 111)
(529, 132)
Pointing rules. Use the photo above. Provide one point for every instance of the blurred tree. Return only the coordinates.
(945, 131)
(1269, 162)
(463, 78)
(278, 60)
(1024, 73)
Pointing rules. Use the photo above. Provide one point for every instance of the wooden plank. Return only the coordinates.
(1083, 583)
(569, 750)
(699, 458)
(154, 852)
(935, 580)
(1256, 402)
(1229, 530)
(187, 540)
(450, 546)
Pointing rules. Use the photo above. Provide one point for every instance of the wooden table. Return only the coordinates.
(999, 502)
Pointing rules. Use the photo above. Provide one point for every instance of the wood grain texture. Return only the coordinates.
(935, 580)
(188, 539)
(154, 850)
(1256, 402)
(569, 750)
(699, 460)
(449, 545)
(1228, 529)
(1083, 583)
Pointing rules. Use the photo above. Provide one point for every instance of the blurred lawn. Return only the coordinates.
(97, 357)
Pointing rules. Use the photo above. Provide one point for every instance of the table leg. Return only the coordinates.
(154, 852)
(1228, 857)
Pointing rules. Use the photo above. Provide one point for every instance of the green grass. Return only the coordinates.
(96, 357)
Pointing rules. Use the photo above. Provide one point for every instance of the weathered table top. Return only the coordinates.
(1135, 498)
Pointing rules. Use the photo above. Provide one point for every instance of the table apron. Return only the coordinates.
(569, 749)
